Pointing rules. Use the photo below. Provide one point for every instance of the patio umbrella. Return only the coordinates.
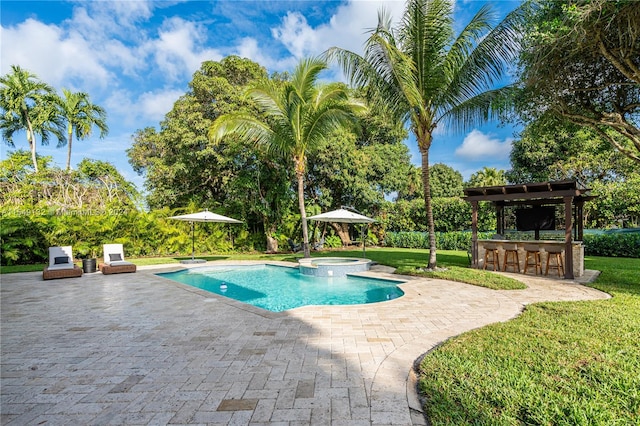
(344, 216)
(203, 216)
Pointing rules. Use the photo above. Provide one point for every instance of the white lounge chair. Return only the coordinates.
(61, 264)
(114, 262)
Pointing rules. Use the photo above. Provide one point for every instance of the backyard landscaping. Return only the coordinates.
(558, 363)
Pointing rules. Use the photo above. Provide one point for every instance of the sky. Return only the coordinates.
(135, 58)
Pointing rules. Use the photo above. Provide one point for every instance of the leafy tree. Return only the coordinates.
(80, 115)
(112, 185)
(581, 63)
(27, 104)
(488, 176)
(555, 150)
(430, 77)
(413, 188)
(96, 185)
(359, 167)
(299, 114)
(179, 163)
(445, 181)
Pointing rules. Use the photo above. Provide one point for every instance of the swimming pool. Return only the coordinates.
(280, 288)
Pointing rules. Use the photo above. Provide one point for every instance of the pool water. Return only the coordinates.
(279, 288)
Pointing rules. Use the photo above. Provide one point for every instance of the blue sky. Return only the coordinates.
(135, 58)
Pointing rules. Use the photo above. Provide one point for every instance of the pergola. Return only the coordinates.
(567, 192)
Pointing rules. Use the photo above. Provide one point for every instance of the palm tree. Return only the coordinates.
(488, 176)
(297, 116)
(81, 115)
(430, 77)
(27, 104)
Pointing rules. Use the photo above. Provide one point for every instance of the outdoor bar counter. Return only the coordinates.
(543, 246)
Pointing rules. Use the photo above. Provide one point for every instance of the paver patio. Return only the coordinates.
(142, 350)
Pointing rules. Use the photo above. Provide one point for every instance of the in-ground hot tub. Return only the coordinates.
(333, 266)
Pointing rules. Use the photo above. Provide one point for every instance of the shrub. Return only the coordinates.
(457, 240)
(332, 241)
(624, 244)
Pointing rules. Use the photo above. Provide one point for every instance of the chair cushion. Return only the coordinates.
(60, 260)
(120, 263)
(115, 257)
(61, 266)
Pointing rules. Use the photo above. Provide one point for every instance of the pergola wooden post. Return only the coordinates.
(567, 192)
(474, 234)
(568, 228)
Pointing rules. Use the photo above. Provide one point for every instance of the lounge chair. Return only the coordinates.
(294, 247)
(61, 264)
(319, 245)
(114, 262)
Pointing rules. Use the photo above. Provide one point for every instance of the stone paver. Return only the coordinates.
(139, 349)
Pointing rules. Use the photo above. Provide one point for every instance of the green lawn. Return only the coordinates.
(563, 363)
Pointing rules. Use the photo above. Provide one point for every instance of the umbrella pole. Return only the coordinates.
(364, 242)
(192, 242)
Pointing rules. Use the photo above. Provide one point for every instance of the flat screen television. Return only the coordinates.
(536, 218)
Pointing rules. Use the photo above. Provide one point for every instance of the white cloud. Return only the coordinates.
(480, 146)
(140, 110)
(55, 57)
(177, 50)
(154, 105)
(347, 28)
(296, 34)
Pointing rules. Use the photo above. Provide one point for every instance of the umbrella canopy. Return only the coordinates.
(342, 215)
(203, 216)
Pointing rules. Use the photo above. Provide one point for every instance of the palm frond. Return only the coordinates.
(483, 54)
(488, 105)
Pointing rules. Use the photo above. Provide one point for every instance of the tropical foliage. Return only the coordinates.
(80, 116)
(581, 64)
(429, 77)
(298, 116)
(179, 164)
(552, 150)
(95, 186)
(28, 104)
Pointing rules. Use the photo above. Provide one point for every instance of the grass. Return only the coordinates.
(562, 363)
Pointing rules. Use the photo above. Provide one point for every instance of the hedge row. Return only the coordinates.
(606, 244)
(612, 245)
(455, 240)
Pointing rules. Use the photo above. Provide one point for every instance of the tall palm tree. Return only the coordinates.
(27, 104)
(297, 116)
(430, 77)
(81, 115)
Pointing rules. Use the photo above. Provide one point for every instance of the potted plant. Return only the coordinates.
(88, 256)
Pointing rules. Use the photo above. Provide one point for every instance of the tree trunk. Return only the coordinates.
(303, 214)
(429, 210)
(342, 229)
(272, 244)
(31, 138)
(269, 230)
(69, 151)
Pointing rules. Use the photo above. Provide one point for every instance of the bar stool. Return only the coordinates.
(555, 253)
(532, 250)
(491, 256)
(511, 257)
